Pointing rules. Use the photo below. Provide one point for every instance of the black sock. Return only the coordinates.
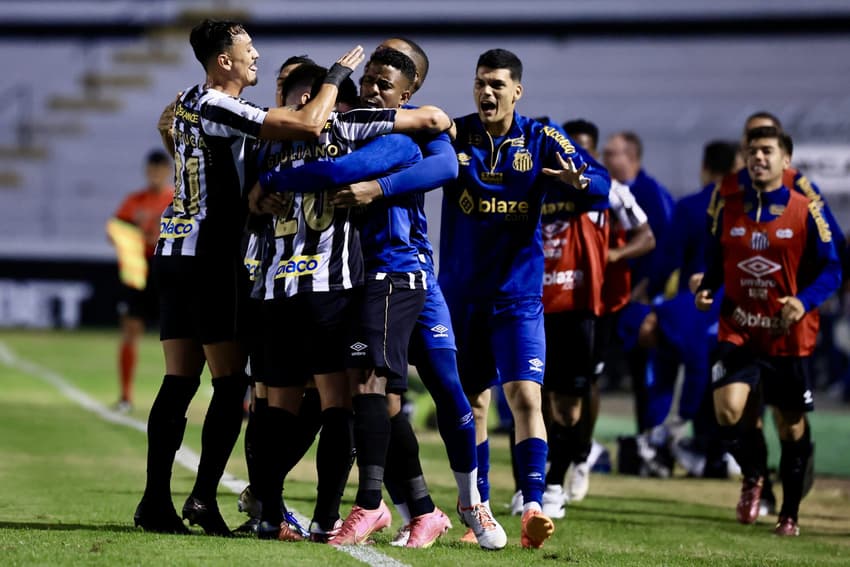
(584, 432)
(371, 438)
(302, 436)
(561, 448)
(275, 447)
(747, 447)
(405, 468)
(221, 429)
(792, 469)
(251, 436)
(333, 464)
(166, 425)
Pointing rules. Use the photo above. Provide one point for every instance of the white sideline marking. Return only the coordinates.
(185, 457)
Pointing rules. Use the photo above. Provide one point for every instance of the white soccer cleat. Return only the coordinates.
(517, 503)
(489, 533)
(554, 498)
(578, 484)
(401, 536)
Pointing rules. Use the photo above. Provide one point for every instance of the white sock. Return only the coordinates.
(467, 488)
(531, 506)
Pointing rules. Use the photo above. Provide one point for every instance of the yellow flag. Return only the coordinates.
(130, 245)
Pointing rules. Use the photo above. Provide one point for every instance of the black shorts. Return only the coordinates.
(786, 381)
(140, 303)
(387, 318)
(305, 335)
(570, 357)
(199, 297)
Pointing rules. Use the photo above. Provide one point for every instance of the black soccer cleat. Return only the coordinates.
(159, 518)
(205, 515)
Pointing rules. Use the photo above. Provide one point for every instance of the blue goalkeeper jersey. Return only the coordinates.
(491, 246)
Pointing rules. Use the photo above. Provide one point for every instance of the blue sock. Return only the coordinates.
(530, 456)
(483, 451)
(438, 371)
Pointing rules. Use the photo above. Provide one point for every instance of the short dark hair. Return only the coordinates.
(295, 60)
(211, 37)
(765, 115)
(157, 157)
(773, 132)
(347, 93)
(420, 53)
(501, 59)
(305, 75)
(718, 156)
(575, 127)
(633, 140)
(396, 59)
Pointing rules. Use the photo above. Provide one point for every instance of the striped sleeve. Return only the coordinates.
(227, 116)
(363, 123)
(625, 206)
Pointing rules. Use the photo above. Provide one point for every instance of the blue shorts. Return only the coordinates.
(499, 343)
(434, 326)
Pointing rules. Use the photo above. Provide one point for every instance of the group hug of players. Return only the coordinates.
(339, 269)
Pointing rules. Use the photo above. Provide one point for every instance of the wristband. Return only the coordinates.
(337, 74)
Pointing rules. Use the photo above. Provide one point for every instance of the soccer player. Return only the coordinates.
(771, 248)
(492, 262)
(139, 302)
(432, 345)
(198, 262)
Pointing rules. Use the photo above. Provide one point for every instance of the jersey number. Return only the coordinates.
(192, 173)
(316, 210)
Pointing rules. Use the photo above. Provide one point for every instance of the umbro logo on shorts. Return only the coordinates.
(535, 364)
(440, 331)
(358, 349)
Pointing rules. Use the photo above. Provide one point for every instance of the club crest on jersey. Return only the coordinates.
(759, 241)
(463, 158)
(784, 233)
(535, 365)
(759, 266)
(523, 161)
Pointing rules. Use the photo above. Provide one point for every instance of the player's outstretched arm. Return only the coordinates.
(308, 121)
(382, 154)
(425, 118)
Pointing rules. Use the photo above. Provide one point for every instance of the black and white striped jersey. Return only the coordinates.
(313, 246)
(214, 164)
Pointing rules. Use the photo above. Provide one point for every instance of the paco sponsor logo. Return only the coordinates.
(297, 266)
(176, 228)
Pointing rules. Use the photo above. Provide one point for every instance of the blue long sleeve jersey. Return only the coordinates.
(658, 204)
(491, 246)
(388, 234)
(819, 274)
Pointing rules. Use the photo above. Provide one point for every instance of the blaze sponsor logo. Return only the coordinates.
(297, 266)
(358, 349)
(759, 266)
(755, 320)
(784, 233)
(568, 279)
(513, 210)
(535, 365)
(440, 331)
(759, 241)
(176, 228)
(737, 231)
